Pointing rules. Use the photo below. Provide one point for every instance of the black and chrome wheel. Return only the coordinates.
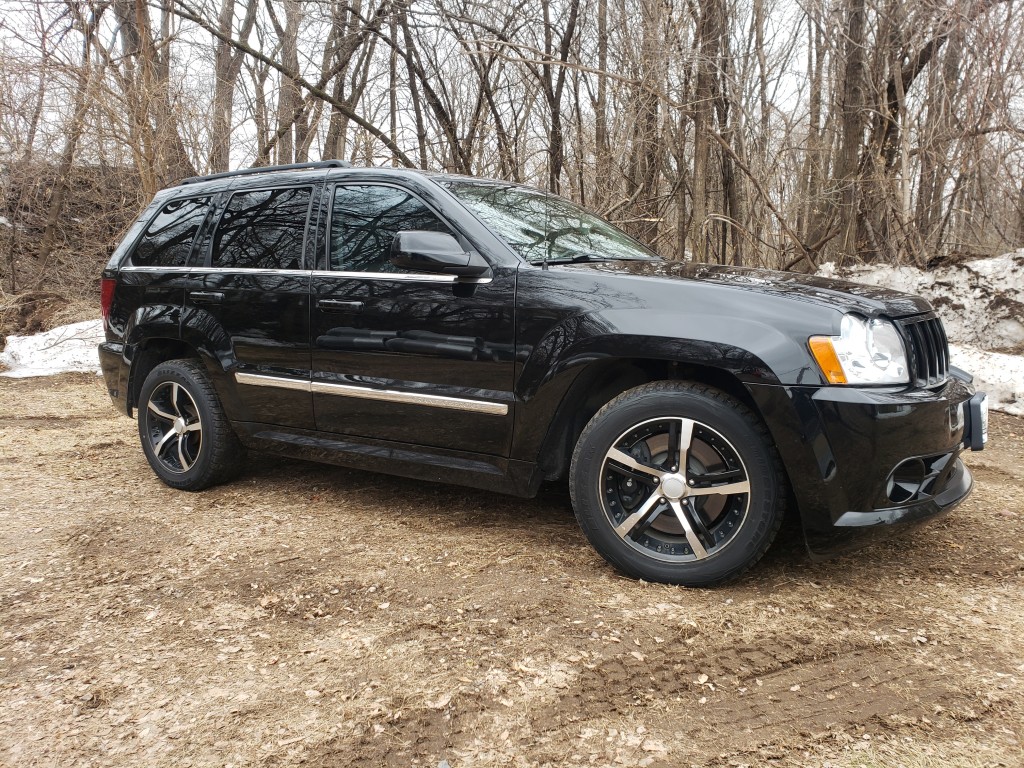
(677, 483)
(185, 435)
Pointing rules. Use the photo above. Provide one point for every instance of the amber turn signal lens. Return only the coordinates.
(825, 355)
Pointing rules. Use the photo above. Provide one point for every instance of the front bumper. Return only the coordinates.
(862, 461)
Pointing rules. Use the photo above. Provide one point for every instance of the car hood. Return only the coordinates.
(843, 295)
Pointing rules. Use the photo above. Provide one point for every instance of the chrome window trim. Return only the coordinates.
(398, 277)
(250, 271)
(402, 277)
(133, 268)
(367, 393)
(411, 277)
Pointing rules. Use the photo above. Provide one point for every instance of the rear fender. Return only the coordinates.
(204, 333)
(148, 323)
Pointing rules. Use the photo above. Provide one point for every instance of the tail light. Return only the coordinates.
(106, 300)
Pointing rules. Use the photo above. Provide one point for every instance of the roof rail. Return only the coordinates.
(268, 169)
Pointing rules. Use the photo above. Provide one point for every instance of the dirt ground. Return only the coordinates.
(318, 616)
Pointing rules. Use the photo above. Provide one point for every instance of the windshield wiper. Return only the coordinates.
(584, 257)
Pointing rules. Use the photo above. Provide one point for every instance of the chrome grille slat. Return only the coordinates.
(932, 350)
(929, 350)
(943, 345)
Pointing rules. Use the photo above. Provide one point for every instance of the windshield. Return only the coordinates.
(540, 226)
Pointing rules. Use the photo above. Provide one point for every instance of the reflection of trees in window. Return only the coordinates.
(535, 223)
(168, 239)
(364, 221)
(263, 229)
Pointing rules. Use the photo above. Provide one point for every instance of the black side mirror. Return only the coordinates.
(436, 252)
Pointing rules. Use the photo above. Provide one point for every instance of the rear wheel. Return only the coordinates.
(677, 483)
(185, 435)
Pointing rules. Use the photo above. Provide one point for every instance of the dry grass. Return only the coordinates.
(36, 311)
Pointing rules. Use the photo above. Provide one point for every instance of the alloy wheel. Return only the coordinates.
(675, 489)
(174, 427)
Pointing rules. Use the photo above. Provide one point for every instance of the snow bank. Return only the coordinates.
(67, 348)
(980, 303)
(1001, 376)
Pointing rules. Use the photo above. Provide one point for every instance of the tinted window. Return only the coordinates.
(167, 241)
(263, 229)
(364, 221)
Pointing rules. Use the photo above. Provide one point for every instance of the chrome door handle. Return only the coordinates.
(339, 305)
(206, 297)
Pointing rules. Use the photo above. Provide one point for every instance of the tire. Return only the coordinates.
(184, 433)
(656, 522)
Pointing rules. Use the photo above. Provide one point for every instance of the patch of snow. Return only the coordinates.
(1001, 376)
(67, 348)
(980, 303)
(5, 222)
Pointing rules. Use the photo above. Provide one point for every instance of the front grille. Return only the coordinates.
(929, 350)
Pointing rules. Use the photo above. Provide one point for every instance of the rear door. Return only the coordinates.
(250, 300)
(403, 356)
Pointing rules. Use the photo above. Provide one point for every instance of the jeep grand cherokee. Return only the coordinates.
(483, 333)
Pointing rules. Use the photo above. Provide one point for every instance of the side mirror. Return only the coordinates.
(436, 252)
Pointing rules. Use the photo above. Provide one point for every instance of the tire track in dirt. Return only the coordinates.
(735, 699)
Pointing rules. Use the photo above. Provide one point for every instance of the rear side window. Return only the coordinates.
(263, 229)
(167, 241)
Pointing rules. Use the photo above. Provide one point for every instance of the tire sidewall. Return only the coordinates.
(724, 415)
(198, 475)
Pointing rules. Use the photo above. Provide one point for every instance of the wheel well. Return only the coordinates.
(148, 356)
(602, 382)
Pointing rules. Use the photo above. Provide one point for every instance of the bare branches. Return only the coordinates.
(762, 134)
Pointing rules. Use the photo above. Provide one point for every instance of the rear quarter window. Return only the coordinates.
(169, 237)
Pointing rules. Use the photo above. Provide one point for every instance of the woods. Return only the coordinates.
(751, 132)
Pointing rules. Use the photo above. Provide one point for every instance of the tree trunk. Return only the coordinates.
(227, 65)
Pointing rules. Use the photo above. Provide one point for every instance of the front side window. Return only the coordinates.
(365, 219)
(263, 229)
(167, 241)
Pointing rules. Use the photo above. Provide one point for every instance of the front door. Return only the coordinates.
(407, 357)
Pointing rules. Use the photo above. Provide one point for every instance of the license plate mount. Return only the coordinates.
(976, 431)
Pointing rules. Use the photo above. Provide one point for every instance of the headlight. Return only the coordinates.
(864, 352)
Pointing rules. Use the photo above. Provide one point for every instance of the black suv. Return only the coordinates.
(483, 333)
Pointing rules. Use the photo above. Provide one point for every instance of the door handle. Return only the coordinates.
(206, 297)
(339, 305)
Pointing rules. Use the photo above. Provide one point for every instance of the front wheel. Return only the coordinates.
(185, 435)
(677, 483)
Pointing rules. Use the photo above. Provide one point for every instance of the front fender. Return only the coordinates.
(547, 385)
(750, 350)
